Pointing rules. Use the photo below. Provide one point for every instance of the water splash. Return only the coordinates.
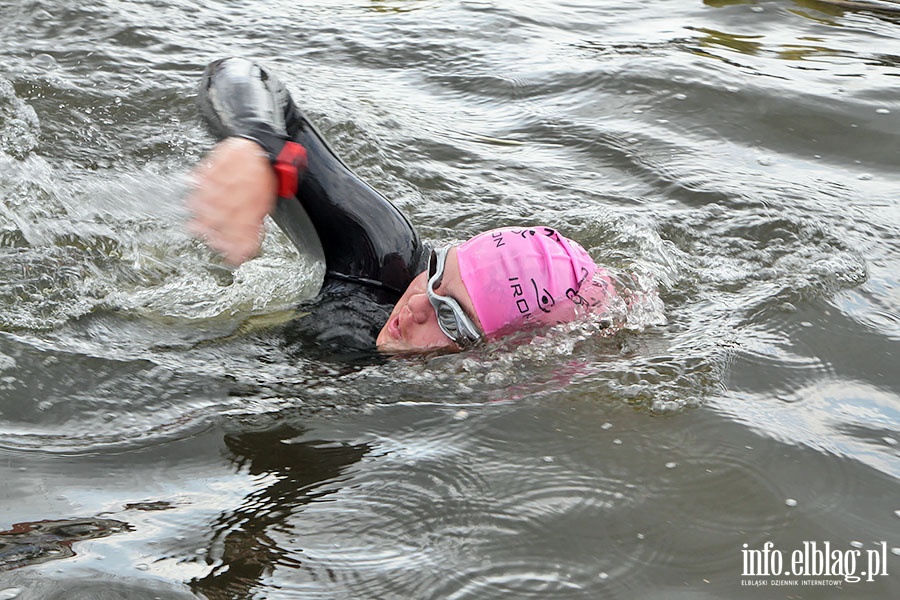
(19, 124)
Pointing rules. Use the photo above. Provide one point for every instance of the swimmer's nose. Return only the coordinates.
(420, 308)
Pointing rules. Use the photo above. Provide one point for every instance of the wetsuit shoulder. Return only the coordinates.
(341, 322)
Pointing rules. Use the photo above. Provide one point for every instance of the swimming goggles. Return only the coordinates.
(451, 318)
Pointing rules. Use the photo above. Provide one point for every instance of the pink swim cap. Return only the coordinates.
(521, 276)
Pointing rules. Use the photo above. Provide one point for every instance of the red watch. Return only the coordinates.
(288, 160)
(289, 165)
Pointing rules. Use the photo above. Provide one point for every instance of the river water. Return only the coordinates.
(158, 439)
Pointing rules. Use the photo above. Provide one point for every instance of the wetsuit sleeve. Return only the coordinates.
(365, 238)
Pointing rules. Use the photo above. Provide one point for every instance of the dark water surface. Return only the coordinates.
(157, 439)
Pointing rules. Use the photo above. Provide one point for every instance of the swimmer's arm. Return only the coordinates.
(235, 186)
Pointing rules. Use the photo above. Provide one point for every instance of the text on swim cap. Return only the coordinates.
(518, 292)
(497, 236)
(544, 300)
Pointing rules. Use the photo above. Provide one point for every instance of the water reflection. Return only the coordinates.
(244, 547)
(833, 7)
(882, 7)
(36, 542)
(398, 6)
(745, 44)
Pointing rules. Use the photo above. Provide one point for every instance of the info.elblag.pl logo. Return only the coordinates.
(814, 564)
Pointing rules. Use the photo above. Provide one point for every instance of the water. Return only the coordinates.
(158, 440)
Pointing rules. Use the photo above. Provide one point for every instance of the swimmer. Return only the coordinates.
(383, 288)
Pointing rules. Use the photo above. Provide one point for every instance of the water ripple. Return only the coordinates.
(738, 154)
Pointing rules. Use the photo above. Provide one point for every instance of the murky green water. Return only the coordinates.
(158, 440)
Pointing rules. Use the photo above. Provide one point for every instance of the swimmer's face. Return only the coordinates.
(413, 324)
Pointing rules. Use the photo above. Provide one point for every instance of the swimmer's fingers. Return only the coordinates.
(216, 226)
(235, 239)
(233, 191)
(235, 247)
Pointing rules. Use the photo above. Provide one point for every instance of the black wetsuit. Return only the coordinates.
(372, 251)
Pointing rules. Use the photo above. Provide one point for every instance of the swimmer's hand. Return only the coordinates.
(234, 189)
